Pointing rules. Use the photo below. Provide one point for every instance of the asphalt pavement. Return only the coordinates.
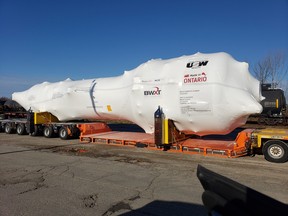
(40, 176)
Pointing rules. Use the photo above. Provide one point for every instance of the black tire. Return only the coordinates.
(2, 116)
(20, 129)
(63, 133)
(8, 128)
(38, 131)
(76, 133)
(275, 151)
(48, 132)
(35, 132)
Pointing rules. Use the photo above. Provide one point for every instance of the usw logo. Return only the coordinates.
(196, 64)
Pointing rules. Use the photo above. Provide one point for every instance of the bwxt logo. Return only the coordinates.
(196, 64)
(156, 91)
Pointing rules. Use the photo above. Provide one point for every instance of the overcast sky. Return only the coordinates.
(51, 40)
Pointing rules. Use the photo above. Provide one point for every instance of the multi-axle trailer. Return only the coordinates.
(272, 143)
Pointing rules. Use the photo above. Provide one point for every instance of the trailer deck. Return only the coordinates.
(120, 138)
(220, 148)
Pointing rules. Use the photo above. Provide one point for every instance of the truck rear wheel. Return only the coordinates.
(38, 131)
(8, 128)
(275, 151)
(48, 132)
(20, 129)
(63, 133)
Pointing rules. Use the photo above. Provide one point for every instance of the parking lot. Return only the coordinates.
(40, 176)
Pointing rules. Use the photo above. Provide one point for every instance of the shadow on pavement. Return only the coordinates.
(160, 208)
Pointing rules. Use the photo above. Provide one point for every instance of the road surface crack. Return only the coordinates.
(126, 203)
(39, 183)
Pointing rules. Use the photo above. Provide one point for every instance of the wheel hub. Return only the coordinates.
(276, 151)
(63, 133)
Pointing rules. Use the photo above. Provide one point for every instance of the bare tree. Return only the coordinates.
(262, 70)
(285, 89)
(278, 68)
(272, 69)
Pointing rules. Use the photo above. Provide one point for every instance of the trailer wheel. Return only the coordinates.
(20, 129)
(63, 133)
(38, 131)
(2, 116)
(76, 133)
(8, 128)
(35, 132)
(275, 151)
(48, 132)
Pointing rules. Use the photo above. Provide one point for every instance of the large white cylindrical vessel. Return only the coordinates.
(202, 93)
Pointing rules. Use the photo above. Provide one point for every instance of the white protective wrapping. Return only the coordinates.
(202, 93)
